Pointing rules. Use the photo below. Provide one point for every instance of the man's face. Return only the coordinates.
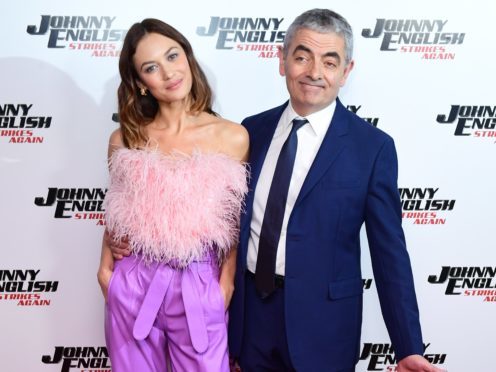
(315, 69)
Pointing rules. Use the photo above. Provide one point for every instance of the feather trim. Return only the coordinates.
(175, 207)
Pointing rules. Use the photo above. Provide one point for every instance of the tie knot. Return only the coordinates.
(298, 123)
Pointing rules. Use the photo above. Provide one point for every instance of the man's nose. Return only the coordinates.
(315, 71)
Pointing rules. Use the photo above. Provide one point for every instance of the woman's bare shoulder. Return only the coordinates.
(115, 141)
(233, 139)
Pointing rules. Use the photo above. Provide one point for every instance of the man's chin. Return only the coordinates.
(307, 107)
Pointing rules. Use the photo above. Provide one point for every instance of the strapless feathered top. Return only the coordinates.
(175, 208)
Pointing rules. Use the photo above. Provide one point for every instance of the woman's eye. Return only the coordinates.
(172, 56)
(150, 69)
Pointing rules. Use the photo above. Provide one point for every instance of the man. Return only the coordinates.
(318, 172)
(303, 216)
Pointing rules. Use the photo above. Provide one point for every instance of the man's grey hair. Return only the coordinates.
(323, 21)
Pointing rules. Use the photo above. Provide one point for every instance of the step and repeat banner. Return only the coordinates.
(424, 74)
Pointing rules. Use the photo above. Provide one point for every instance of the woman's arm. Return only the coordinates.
(106, 268)
(236, 145)
(106, 260)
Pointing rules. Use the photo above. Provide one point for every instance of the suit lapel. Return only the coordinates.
(332, 145)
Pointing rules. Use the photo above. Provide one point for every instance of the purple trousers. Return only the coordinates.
(160, 318)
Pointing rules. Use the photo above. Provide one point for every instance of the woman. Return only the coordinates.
(177, 182)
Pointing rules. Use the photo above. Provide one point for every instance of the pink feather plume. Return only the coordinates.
(175, 207)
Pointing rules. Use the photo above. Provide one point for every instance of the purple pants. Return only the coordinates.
(159, 316)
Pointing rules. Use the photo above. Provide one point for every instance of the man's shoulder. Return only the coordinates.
(262, 116)
(363, 128)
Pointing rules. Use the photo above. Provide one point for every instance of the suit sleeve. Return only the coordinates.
(390, 260)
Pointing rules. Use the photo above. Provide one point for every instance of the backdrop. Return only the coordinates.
(423, 73)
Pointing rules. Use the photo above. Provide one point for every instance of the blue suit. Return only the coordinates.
(353, 180)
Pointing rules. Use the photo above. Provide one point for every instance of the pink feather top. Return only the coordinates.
(175, 208)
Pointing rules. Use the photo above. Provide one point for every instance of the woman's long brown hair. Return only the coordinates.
(136, 110)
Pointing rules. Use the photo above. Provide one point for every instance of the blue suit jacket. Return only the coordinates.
(353, 180)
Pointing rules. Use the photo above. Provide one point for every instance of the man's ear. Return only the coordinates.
(347, 71)
(280, 55)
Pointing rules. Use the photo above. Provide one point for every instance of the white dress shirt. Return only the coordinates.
(310, 137)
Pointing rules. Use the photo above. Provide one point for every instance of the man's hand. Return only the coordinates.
(416, 363)
(119, 248)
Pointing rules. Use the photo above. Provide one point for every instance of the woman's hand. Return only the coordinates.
(226, 289)
(416, 363)
(104, 274)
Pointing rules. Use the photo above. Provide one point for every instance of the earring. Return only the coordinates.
(143, 91)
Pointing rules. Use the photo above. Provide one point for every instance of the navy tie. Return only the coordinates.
(274, 214)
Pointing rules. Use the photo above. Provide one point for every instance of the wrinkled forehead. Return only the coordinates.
(319, 43)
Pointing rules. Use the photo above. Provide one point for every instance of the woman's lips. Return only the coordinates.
(174, 85)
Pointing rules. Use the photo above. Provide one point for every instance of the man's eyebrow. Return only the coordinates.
(303, 48)
(333, 55)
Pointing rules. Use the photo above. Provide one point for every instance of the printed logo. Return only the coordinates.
(354, 109)
(424, 37)
(367, 283)
(92, 34)
(83, 358)
(420, 206)
(468, 281)
(77, 203)
(381, 357)
(260, 35)
(24, 287)
(19, 126)
(477, 121)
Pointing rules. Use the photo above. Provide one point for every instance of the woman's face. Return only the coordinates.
(163, 68)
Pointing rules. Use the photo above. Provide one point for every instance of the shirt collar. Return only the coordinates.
(319, 121)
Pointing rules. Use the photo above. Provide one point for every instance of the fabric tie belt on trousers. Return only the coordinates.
(191, 299)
